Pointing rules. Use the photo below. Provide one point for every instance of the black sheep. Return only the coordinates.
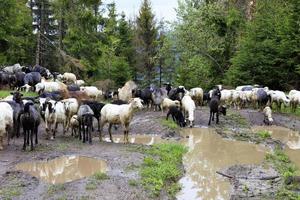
(118, 102)
(85, 118)
(96, 108)
(30, 120)
(145, 95)
(215, 109)
(177, 116)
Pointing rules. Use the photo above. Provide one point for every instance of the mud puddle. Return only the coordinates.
(287, 136)
(137, 139)
(207, 153)
(63, 169)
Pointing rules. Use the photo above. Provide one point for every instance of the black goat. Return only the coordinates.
(30, 120)
(145, 95)
(118, 102)
(177, 116)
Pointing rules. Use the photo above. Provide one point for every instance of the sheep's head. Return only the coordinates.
(17, 96)
(222, 109)
(136, 103)
(39, 87)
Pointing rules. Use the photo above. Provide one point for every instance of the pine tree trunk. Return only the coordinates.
(38, 48)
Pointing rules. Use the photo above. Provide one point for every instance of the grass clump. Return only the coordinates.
(170, 124)
(100, 176)
(133, 182)
(10, 192)
(237, 119)
(264, 134)
(161, 169)
(94, 181)
(287, 169)
(53, 189)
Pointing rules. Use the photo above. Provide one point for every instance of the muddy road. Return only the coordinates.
(121, 159)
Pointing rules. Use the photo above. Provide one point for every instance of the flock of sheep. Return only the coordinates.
(62, 99)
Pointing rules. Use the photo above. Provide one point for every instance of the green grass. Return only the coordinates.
(5, 93)
(99, 176)
(237, 118)
(288, 110)
(94, 181)
(162, 169)
(170, 124)
(286, 169)
(133, 182)
(264, 134)
(10, 192)
(53, 189)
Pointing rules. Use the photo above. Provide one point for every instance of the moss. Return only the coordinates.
(133, 182)
(53, 189)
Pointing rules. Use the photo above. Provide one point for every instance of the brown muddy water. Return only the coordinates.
(287, 136)
(137, 139)
(63, 169)
(207, 153)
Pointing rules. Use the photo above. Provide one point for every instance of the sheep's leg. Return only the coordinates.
(109, 131)
(80, 129)
(31, 139)
(90, 134)
(28, 134)
(127, 132)
(55, 129)
(213, 116)
(36, 135)
(217, 115)
(98, 120)
(102, 123)
(209, 117)
(24, 145)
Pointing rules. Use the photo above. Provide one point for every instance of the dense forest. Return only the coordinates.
(231, 42)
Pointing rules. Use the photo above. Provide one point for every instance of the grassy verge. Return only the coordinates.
(287, 169)
(286, 110)
(170, 124)
(5, 93)
(162, 168)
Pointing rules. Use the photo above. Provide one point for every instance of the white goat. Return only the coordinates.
(74, 124)
(119, 114)
(80, 82)
(125, 93)
(188, 106)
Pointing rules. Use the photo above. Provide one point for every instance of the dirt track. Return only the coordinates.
(119, 157)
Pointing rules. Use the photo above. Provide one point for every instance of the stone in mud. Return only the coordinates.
(249, 182)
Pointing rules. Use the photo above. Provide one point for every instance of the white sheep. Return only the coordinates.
(79, 82)
(74, 124)
(197, 95)
(268, 116)
(125, 93)
(6, 121)
(55, 113)
(119, 114)
(69, 77)
(91, 91)
(278, 97)
(71, 106)
(236, 99)
(188, 106)
(50, 87)
(294, 96)
(226, 96)
(167, 103)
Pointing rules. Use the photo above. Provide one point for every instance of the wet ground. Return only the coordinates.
(121, 159)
